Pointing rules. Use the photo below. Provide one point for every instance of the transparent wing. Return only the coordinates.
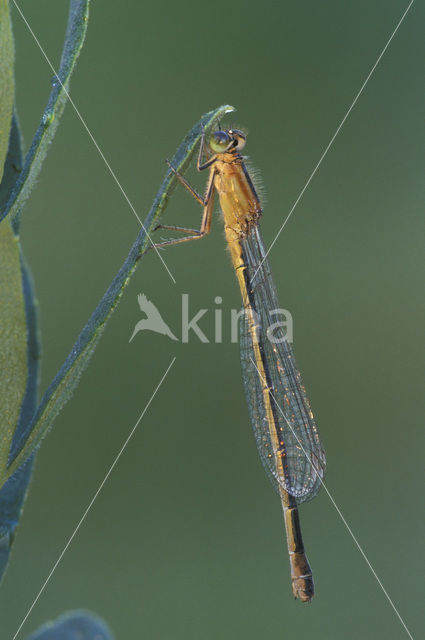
(304, 458)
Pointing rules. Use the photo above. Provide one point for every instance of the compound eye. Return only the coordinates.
(219, 141)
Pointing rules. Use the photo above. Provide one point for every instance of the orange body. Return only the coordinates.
(241, 211)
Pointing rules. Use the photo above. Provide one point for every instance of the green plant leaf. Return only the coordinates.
(29, 404)
(76, 625)
(13, 339)
(13, 330)
(14, 491)
(74, 38)
(68, 376)
(13, 165)
(7, 84)
(12, 494)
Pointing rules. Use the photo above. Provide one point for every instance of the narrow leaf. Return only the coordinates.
(13, 493)
(76, 625)
(68, 376)
(74, 38)
(18, 322)
(12, 496)
(13, 340)
(13, 165)
(7, 85)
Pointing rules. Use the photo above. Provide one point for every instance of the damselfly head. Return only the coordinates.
(228, 140)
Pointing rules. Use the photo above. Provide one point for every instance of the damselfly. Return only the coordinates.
(284, 428)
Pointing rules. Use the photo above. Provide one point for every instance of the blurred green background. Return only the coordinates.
(186, 539)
